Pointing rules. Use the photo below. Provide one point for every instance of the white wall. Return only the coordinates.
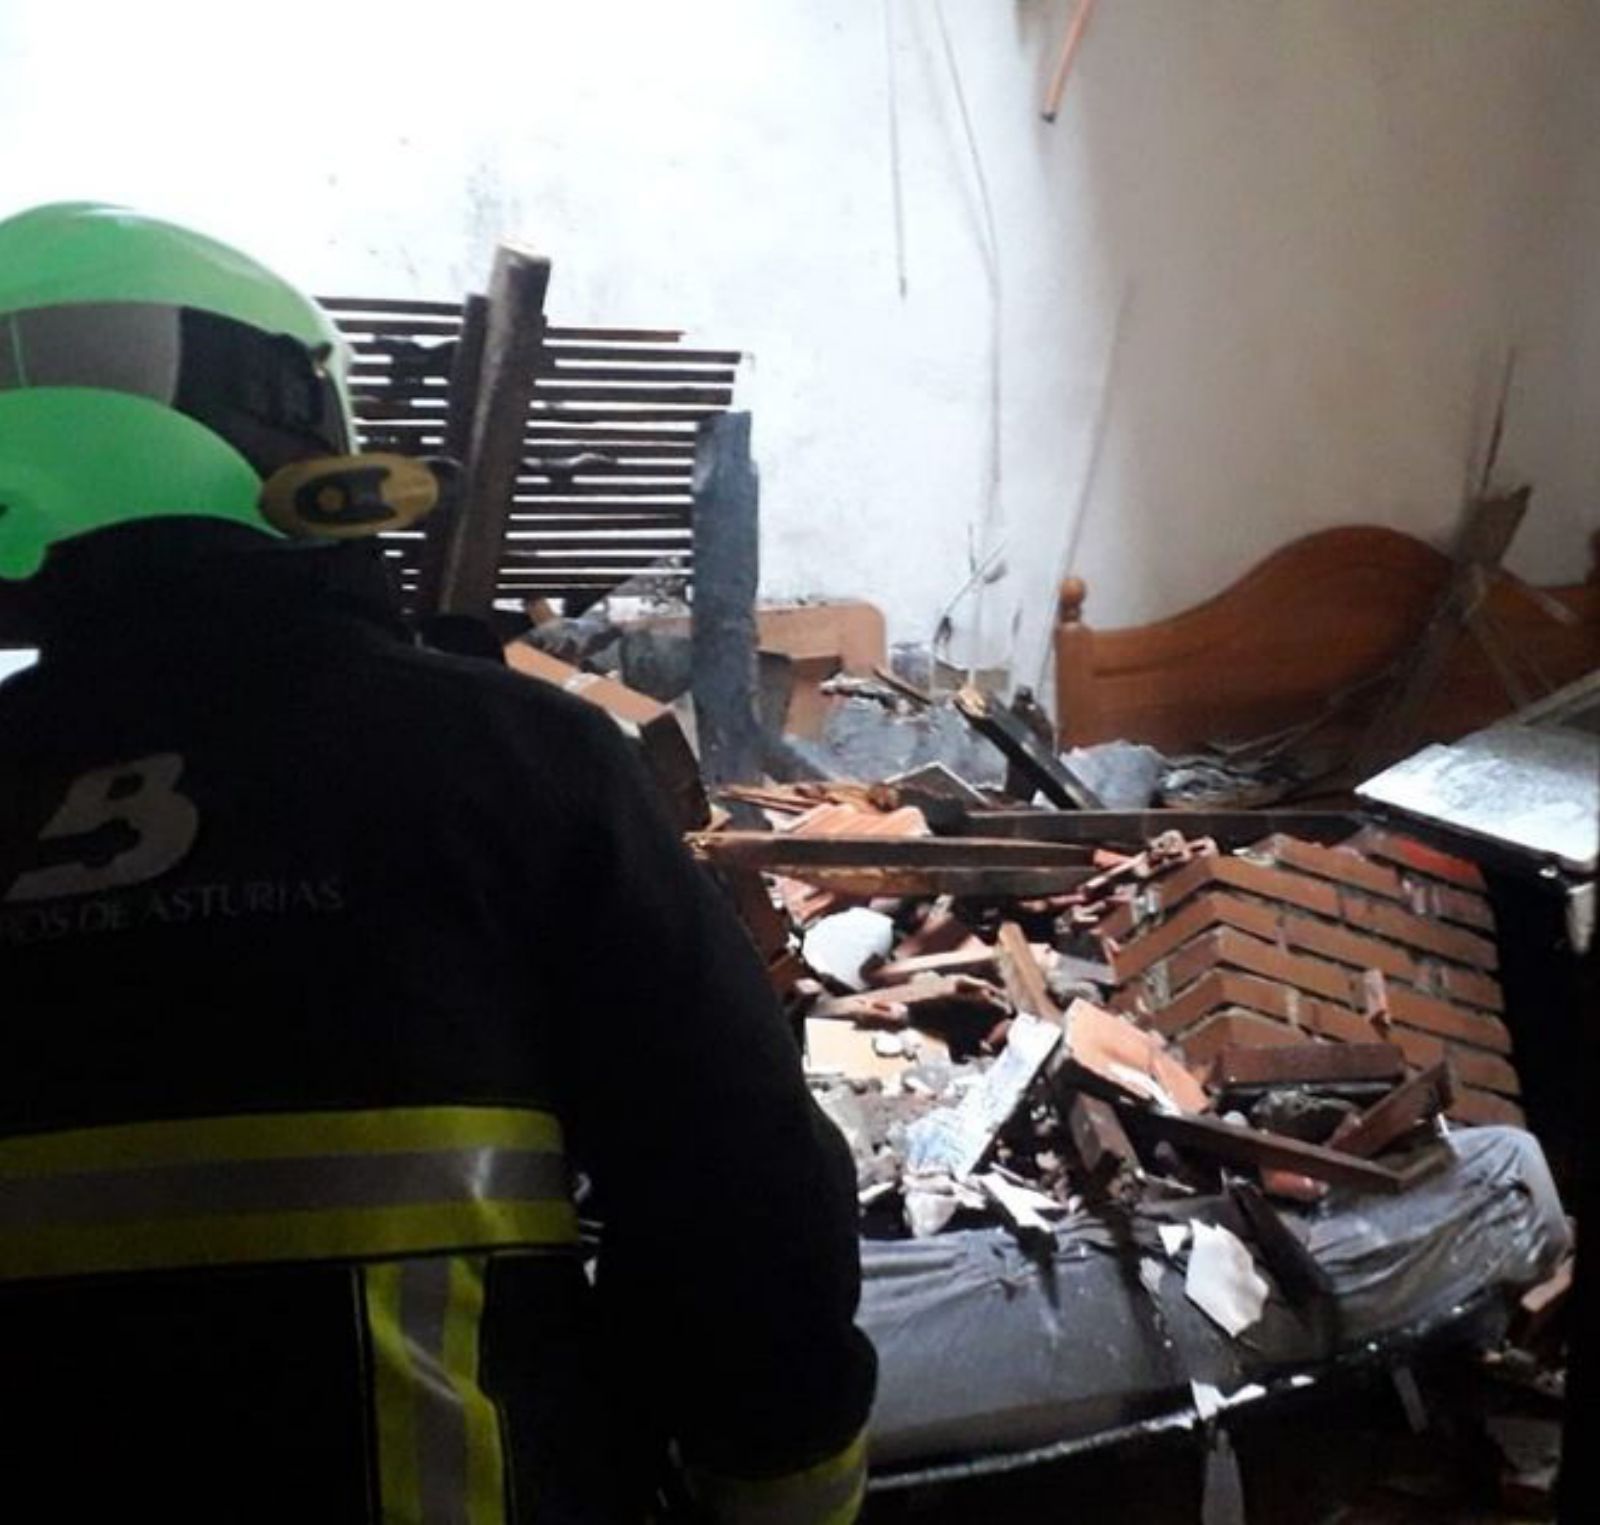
(1258, 278)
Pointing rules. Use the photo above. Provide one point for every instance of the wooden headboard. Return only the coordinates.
(1315, 618)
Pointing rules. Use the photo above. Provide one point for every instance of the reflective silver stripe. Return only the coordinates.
(389, 1182)
(441, 1419)
(314, 1183)
(438, 1435)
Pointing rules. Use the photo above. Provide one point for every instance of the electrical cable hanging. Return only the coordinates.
(896, 176)
(991, 251)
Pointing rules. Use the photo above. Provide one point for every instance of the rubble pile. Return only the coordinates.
(1008, 1031)
(1153, 1112)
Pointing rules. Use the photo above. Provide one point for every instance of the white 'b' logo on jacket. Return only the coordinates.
(138, 799)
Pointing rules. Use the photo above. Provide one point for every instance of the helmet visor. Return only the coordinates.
(267, 395)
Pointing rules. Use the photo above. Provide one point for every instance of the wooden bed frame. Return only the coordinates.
(1325, 614)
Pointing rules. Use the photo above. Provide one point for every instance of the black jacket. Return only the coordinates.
(288, 909)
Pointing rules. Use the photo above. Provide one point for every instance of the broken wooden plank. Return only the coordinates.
(871, 866)
(1022, 1208)
(1246, 1146)
(898, 971)
(1054, 779)
(1292, 1265)
(784, 852)
(894, 1005)
(1403, 1110)
(1134, 828)
(1024, 979)
(1543, 1303)
(1245, 1065)
(1104, 1148)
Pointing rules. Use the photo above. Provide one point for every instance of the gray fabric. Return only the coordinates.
(983, 1350)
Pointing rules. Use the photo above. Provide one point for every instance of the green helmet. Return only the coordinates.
(147, 372)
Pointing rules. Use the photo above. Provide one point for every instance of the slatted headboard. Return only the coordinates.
(610, 440)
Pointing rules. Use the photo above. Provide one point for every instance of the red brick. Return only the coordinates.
(1276, 884)
(1411, 854)
(1435, 1016)
(1308, 1063)
(1224, 988)
(1473, 1106)
(1450, 904)
(1488, 1072)
(1227, 946)
(1296, 1188)
(1329, 1021)
(1348, 947)
(1345, 865)
(1418, 932)
(1420, 1050)
(1136, 955)
(1469, 987)
(1268, 923)
(1201, 1045)
(1171, 1017)
(1117, 925)
(1254, 878)
(1172, 889)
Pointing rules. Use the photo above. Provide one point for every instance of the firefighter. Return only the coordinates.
(328, 965)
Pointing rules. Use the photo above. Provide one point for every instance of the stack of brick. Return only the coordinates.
(1378, 937)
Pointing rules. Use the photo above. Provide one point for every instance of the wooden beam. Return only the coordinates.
(1133, 828)
(513, 337)
(1047, 772)
(1404, 1109)
(873, 866)
(1248, 1146)
(722, 623)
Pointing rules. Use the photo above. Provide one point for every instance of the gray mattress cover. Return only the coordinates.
(984, 1350)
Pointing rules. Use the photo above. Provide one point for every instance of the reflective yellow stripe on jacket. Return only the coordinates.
(829, 1493)
(382, 1183)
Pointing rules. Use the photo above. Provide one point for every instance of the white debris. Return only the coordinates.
(1210, 1401)
(1142, 1084)
(837, 947)
(1021, 1206)
(932, 1200)
(1222, 1280)
(1174, 1236)
(956, 1139)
